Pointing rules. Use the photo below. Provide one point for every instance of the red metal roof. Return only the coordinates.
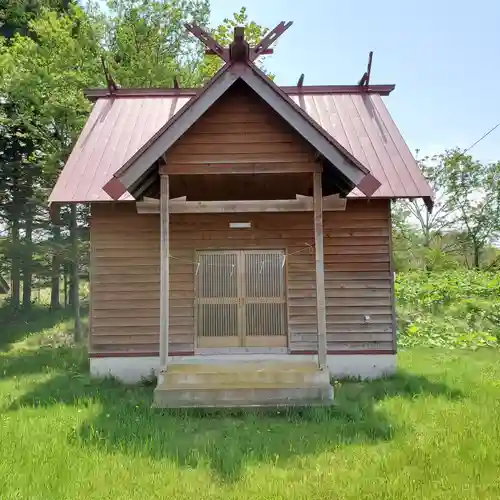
(118, 127)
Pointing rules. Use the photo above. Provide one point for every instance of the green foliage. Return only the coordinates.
(448, 309)
(146, 44)
(430, 431)
(474, 197)
(464, 223)
(16, 15)
(54, 51)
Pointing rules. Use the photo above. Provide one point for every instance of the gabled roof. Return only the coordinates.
(128, 130)
(352, 172)
(120, 125)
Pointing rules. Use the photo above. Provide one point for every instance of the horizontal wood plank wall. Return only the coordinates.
(125, 275)
(240, 128)
(357, 271)
(126, 285)
(357, 282)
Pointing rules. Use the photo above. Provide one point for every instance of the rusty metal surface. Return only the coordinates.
(118, 127)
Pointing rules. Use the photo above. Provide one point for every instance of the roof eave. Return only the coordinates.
(93, 94)
(353, 170)
(136, 166)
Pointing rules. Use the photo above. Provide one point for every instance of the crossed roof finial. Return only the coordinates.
(239, 48)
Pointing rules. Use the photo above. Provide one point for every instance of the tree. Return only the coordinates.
(16, 15)
(474, 196)
(42, 110)
(431, 224)
(145, 42)
(465, 219)
(422, 229)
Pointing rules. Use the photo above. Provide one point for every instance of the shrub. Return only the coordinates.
(457, 308)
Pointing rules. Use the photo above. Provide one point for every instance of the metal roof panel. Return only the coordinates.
(119, 126)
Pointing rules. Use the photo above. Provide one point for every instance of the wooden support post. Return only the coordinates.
(320, 270)
(164, 270)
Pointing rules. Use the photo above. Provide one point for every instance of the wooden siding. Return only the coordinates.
(125, 284)
(126, 270)
(241, 128)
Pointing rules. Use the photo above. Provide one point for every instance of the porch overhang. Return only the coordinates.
(344, 172)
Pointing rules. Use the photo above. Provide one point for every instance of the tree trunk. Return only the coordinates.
(55, 284)
(15, 270)
(75, 296)
(28, 257)
(65, 285)
(477, 256)
(55, 288)
(71, 266)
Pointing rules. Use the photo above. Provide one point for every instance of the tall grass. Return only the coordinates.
(431, 431)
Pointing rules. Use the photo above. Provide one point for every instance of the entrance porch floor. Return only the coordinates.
(243, 384)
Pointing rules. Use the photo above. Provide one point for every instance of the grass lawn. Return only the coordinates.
(431, 432)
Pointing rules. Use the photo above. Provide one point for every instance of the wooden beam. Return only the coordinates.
(210, 52)
(145, 185)
(320, 271)
(303, 204)
(163, 207)
(393, 272)
(269, 39)
(239, 48)
(239, 168)
(207, 39)
(365, 79)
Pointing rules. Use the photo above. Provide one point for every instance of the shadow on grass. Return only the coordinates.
(18, 325)
(224, 441)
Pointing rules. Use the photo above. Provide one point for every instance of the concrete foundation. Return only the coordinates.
(131, 369)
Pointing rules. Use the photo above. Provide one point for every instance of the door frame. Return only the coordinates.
(242, 349)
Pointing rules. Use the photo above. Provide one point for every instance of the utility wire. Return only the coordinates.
(481, 138)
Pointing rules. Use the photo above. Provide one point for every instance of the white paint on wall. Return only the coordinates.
(365, 366)
(128, 369)
(133, 369)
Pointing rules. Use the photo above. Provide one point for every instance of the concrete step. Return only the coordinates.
(246, 366)
(246, 384)
(247, 373)
(241, 397)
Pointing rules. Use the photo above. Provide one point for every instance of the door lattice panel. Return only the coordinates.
(264, 292)
(241, 299)
(217, 295)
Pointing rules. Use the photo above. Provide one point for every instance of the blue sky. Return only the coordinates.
(443, 56)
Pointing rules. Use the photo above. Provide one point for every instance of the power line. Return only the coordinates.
(473, 144)
(481, 138)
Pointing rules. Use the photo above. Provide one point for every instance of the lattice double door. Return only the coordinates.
(241, 299)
